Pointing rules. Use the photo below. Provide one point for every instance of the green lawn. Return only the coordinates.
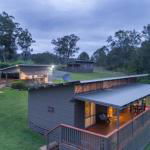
(148, 147)
(14, 131)
(94, 75)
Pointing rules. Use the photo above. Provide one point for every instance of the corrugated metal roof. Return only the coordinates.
(117, 97)
(114, 78)
(24, 65)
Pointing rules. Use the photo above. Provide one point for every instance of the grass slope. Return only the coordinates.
(148, 147)
(94, 75)
(14, 131)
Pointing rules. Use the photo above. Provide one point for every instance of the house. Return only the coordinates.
(26, 72)
(105, 114)
(80, 66)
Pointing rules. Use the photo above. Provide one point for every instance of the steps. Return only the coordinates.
(52, 146)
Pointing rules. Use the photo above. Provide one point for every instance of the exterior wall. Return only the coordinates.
(34, 70)
(79, 114)
(51, 107)
(12, 70)
(86, 87)
(27, 73)
(40, 78)
(37, 73)
(81, 67)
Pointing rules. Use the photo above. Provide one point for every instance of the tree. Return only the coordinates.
(12, 35)
(8, 34)
(25, 41)
(144, 51)
(123, 47)
(100, 56)
(146, 32)
(65, 47)
(83, 56)
(45, 58)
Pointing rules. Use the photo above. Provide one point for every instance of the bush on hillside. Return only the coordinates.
(19, 84)
(4, 65)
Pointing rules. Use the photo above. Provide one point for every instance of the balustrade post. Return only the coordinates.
(132, 126)
(47, 141)
(118, 125)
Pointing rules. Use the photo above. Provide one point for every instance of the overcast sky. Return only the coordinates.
(92, 20)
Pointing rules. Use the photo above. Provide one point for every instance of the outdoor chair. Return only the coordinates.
(103, 118)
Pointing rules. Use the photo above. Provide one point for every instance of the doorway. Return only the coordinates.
(90, 114)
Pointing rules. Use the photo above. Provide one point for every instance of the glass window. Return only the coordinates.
(90, 114)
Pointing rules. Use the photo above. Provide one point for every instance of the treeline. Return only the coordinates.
(45, 58)
(13, 38)
(127, 51)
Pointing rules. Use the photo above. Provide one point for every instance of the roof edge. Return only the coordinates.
(114, 78)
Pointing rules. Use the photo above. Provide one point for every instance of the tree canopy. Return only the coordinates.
(12, 36)
(83, 56)
(25, 41)
(66, 46)
(127, 51)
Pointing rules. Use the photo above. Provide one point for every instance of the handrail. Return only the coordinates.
(50, 130)
(97, 134)
(123, 126)
(84, 139)
(83, 130)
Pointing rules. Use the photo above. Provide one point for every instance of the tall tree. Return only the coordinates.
(146, 32)
(25, 41)
(123, 47)
(144, 51)
(83, 56)
(100, 56)
(8, 34)
(66, 47)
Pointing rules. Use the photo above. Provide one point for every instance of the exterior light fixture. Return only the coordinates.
(52, 67)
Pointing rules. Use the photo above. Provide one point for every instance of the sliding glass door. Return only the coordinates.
(90, 114)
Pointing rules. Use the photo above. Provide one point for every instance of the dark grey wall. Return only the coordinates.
(11, 70)
(34, 70)
(79, 114)
(58, 98)
(83, 67)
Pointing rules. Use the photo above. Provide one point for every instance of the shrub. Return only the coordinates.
(19, 84)
(4, 65)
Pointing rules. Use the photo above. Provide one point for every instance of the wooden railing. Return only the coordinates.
(130, 136)
(76, 138)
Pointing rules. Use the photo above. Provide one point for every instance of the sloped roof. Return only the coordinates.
(24, 65)
(117, 97)
(115, 78)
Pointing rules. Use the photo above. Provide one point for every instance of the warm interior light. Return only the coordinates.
(23, 76)
(110, 112)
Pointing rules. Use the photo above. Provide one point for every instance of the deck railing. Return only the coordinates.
(75, 138)
(130, 136)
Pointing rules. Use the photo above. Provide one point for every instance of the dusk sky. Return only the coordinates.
(92, 20)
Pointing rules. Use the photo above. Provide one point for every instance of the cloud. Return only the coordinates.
(92, 20)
